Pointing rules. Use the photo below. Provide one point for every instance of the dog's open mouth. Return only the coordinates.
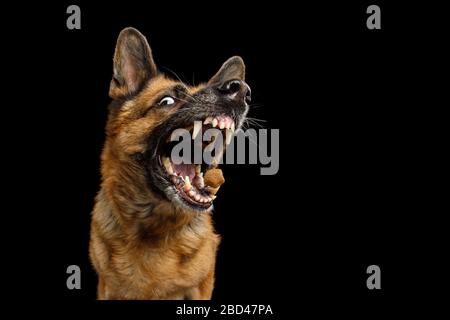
(197, 184)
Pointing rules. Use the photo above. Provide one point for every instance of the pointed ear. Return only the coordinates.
(133, 63)
(232, 69)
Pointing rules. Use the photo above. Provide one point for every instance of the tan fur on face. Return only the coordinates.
(142, 246)
(131, 137)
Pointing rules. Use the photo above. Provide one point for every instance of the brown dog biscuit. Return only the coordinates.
(214, 178)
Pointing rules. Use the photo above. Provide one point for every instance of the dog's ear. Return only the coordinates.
(133, 63)
(232, 69)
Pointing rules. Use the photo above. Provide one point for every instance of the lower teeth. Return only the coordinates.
(188, 185)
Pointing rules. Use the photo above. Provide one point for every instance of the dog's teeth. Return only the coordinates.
(187, 184)
(197, 128)
(167, 165)
(214, 123)
(197, 197)
(222, 124)
(232, 127)
(191, 193)
(228, 136)
(218, 156)
(228, 123)
(201, 183)
(213, 197)
(207, 120)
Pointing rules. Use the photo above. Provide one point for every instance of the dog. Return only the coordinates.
(152, 235)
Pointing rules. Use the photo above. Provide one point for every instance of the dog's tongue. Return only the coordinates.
(184, 170)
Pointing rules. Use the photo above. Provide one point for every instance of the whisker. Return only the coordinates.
(254, 122)
(256, 119)
(183, 100)
(191, 96)
(174, 73)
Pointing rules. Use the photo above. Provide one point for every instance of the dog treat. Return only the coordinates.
(214, 178)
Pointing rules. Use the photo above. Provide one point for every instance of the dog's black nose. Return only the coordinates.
(236, 90)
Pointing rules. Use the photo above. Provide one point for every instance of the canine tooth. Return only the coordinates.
(228, 136)
(232, 126)
(214, 123)
(167, 165)
(197, 128)
(197, 197)
(228, 123)
(222, 124)
(187, 184)
(218, 156)
(213, 197)
(201, 183)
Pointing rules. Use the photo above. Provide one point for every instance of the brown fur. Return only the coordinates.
(142, 246)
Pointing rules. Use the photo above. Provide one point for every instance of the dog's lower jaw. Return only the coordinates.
(180, 204)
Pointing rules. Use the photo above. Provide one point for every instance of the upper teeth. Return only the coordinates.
(228, 136)
(167, 165)
(187, 184)
(192, 188)
(197, 128)
(222, 122)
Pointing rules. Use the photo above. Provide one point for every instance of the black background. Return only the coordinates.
(343, 97)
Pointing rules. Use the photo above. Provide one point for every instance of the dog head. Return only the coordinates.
(148, 106)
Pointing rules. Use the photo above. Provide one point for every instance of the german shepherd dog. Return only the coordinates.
(152, 235)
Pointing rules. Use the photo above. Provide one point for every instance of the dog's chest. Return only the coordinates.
(157, 272)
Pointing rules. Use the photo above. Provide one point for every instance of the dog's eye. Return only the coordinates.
(166, 101)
